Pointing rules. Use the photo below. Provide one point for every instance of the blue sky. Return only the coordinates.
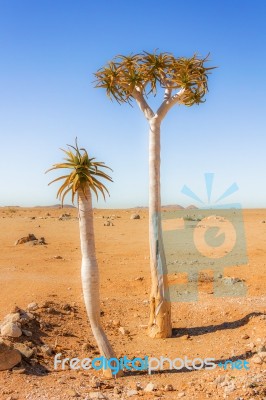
(49, 51)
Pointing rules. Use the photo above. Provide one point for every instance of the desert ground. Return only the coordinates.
(49, 274)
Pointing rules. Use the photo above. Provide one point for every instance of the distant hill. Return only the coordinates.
(191, 207)
(57, 206)
(173, 206)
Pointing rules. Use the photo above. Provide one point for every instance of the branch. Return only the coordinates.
(167, 94)
(168, 103)
(168, 89)
(143, 105)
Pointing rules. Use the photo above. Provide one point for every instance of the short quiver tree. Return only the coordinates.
(81, 180)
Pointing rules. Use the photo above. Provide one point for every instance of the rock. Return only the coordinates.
(41, 240)
(220, 379)
(262, 355)
(135, 216)
(30, 316)
(108, 223)
(256, 359)
(47, 350)
(72, 393)
(123, 330)
(12, 317)
(26, 332)
(181, 394)
(150, 387)
(18, 370)
(97, 395)
(132, 393)
(26, 239)
(168, 388)
(245, 336)
(139, 278)
(231, 280)
(32, 307)
(11, 329)
(263, 222)
(116, 322)
(9, 358)
(24, 350)
(58, 257)
(230, 388)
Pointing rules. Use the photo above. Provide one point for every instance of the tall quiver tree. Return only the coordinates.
(184, 81)
(83, 177)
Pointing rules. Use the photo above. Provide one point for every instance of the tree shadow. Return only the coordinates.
(202, 330)
(198, 367)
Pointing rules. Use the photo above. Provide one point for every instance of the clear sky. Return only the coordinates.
(49, 50)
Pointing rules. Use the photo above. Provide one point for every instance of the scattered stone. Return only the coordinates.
(229, 388)
(9, 358)
(262, 355)
(64, 217)
(231, 280)
(26, 239)
(97, 395)
(108, 223)
(11, 329)
(26, 332)
(41, 241)
(220, 379)
(150, 387)
(256, 359)
(116, 322)
(123, 330)
(47, 350)
(67, 307)
(30, 316)
(72, 393)
(18, 370)
(168, 388)
(132, 393)
(12, 317)
(24, 350)
(135, 216)
(32, 307)
(245, 336)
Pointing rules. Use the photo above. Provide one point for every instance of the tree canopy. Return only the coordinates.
(83, 174)
(125, 77)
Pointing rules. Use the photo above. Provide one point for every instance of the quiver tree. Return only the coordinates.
(184, 81)
(80, 181)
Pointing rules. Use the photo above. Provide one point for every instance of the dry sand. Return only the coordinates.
(212, 327)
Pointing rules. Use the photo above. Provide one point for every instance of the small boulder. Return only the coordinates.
(11, 329)
(24, 350)
(135, 216)
(132, 392)
(150, 387)
(9, 358)
(32, 307)
(47, 350)
(25, 239)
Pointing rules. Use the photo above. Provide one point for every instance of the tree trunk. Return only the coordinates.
(160, 309)
(90, 275)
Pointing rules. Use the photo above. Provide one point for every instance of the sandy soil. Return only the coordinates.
(223, 328)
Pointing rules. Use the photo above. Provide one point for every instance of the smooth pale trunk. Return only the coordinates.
(90, 274)
(160, 309)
